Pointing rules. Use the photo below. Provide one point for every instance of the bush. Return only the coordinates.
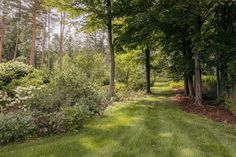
(91, 65)
(69, 88)
(122, 92)
(14, 74)
(65, 103)
(62, 105)
(13, 70)
(49, 123)
(16, 127)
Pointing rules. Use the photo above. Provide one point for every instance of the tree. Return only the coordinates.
(99, 15)
(35, 6)
(18, 29)
(44, 40)
(1, 28)
(62, 28)
(112, 53)
(1, 36)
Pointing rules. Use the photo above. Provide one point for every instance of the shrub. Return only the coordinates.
(70, 87)
(65, 103)
(124, 92)
(13, 70)
(49, 123)
(16, 127)
(14, 75)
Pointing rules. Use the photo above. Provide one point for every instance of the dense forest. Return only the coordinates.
(64, 63)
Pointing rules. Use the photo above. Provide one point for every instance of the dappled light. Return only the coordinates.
(117, 78)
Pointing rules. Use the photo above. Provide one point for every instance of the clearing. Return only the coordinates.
(149, 127)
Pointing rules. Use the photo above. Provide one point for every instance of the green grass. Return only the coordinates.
(149, 127)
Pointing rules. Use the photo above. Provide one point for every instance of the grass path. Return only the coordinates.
(149, 127)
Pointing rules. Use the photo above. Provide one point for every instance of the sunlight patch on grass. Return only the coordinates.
(165, 134)
(188, 152)
(88, 143)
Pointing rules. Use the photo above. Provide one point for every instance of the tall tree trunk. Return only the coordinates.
(32, 52)
(186, 86)
(49, 44)
(127, 77)
(185, 50)
(218, 90)
(198, 78)
(62, 27)
(17, 32)
(191, 87)
(1, 33)
(44, 41)
(112, 53)
(148, 73)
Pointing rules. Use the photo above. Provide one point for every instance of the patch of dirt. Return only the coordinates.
(216, 113)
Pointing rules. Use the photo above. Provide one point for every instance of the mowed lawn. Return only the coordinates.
(149, 127)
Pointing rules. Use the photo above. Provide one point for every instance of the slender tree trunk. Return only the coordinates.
(62, 27)
(44, 41)
(1, 37)
(218, 82)
(198, 78)
(127, 77)
(32, 52)
(185, 51)
(17, 32)
(191, 88)
(49, 44)
(112, 53)
(186, 87)
(148, 73)
(1, 33)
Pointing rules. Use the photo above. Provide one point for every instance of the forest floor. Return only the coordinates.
(149, 127)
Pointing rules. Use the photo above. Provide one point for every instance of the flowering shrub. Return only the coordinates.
(22, 94)
(32, 108)
(13, 70)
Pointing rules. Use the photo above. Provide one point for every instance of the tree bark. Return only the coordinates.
(32, 52)
(218, 93)
(2, 23)
(1, 35)
(198, 78)
(44, 41)
(127, 77)
(49, 44)
(62, 27)
(191, 87)
(186, 87)
(17, 32)
(148, 73)
(112, 53)
(185, 51)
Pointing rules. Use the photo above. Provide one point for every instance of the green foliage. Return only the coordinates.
(209, 87)
(13, 71)
(91, 64)
(179, 84)
(129, 70)
(16, 127)
(14, 74)
(67, 89)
